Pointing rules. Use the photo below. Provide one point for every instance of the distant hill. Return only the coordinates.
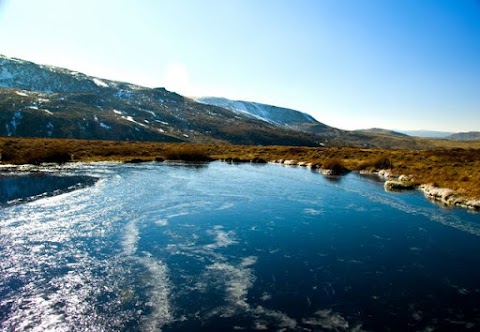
(383, 132)
(426, 133)
(468, 136)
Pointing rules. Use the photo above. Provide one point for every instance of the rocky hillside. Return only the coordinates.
(44, 101)
(278, 116)
(268, 113)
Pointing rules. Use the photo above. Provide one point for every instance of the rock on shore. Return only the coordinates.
(448, 197)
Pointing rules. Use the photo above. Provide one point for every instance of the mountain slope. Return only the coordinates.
(45, 101)
(468, 136)
(278, 116)
(328, 136)
(426, 133)
(268, 113)
(382, 131)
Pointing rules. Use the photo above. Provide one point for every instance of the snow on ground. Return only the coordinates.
(117, 112)
(123, 94)
(12, 125)
(151, 112)
(129, 118)
(105, 126)
(49, 129)
(100, 83)
(20, 93)
(35, 107)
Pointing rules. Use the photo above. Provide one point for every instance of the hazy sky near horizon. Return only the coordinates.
(396, 64)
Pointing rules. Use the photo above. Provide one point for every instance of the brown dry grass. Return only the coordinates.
(458, 168)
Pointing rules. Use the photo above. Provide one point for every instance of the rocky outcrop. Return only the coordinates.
(394, 185)
(449, 197)
(333, 170)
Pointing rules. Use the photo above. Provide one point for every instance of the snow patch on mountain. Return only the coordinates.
(49, 129)
(100, 83)
(11, 126)
(105, 126)
(20, 93)
(129, 118)
(284, 117)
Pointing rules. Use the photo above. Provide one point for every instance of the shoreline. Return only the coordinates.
(446, 196)
(457, 168)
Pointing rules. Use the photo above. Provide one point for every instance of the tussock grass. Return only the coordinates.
(376, 163)
(457, 168)
(15, 152)
(335, 166)
(187, 152)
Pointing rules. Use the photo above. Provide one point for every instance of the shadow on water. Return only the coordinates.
(333, 178)
(24, 188)
(187, 164)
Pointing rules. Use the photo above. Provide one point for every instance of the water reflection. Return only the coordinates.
(188, 165)
(15, 189)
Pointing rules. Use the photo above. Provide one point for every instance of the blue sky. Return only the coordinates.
(396, 64)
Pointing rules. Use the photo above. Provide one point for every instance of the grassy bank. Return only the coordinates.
(455, 168)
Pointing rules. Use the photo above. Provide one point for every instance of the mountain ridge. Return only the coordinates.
(83, 106)
(465, 136)
(47, 101)
(383, 132)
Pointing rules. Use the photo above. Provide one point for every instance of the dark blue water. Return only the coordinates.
(225, 247)
(15, 189)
